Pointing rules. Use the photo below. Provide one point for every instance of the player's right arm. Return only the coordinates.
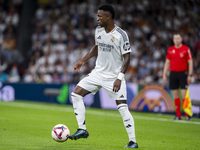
(166, 68)
(93, 52)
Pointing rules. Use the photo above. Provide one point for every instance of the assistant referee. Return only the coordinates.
(179, 61)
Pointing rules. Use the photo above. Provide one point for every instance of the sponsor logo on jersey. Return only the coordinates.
(105, 47)
(112, 39)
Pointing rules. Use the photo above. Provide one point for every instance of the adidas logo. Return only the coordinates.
(122, 96)
(128, 126)
(126, 120)
(99, 37)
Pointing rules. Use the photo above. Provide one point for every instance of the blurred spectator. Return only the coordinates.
(197, 47)
(29, 77)
(9, 42)
(9, 55)
(12, 16)
(3, 76)
(66, 77)
(14, 74)
(3, 63)
(56, 78)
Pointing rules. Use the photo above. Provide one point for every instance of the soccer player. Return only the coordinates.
(112, 49)
(179, 60)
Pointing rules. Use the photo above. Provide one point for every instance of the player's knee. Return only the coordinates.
(77, 90)
(75, 97)
(81, 91)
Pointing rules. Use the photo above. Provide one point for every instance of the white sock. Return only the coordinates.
(79, 110)
(128, 121)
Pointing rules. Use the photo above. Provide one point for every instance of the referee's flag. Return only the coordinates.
(187, 105)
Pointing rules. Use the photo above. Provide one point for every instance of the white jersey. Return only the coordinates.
(111, 47)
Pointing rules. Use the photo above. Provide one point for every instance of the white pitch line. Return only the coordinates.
(91, 112)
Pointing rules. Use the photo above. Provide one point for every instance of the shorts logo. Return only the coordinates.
(126, 46)
(122, 96)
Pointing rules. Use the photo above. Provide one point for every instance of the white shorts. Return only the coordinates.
(93, 82)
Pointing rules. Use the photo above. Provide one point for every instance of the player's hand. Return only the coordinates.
(164, 78)
(188, 80)
(78, 65)
(116, 85)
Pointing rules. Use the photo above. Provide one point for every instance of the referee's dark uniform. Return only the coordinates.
(179, 70)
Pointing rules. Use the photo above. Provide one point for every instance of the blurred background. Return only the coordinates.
(40, 40)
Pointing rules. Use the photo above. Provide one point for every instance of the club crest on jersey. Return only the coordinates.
(173, 51)
(181, 55)
(112, 39)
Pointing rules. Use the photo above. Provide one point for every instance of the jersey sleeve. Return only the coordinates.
(95, 36)
(125, 44)
(189, 56)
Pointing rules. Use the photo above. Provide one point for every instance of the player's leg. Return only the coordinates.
(85, 86)
(183, 92)
(79, 110)
(79, 107)
(174, 86)
(121, 101)
(177, 103)
(128, 122)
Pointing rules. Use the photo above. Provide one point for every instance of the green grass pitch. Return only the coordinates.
(28, 125)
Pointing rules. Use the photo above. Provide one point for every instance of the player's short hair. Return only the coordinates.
(177, 32)
(109, 8)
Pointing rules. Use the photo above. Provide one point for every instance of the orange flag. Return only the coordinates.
(187, 105)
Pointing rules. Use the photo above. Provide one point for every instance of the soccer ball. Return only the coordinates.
(60, 132)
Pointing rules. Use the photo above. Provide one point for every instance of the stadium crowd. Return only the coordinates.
(64, 32)
(10, 57)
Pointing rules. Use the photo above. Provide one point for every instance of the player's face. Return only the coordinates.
(102, 18)
(177, 40)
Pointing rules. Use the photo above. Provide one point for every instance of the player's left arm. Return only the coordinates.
(190, 67)
(126, 62)
(190, 71)
(117, 83)
(125, 51)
